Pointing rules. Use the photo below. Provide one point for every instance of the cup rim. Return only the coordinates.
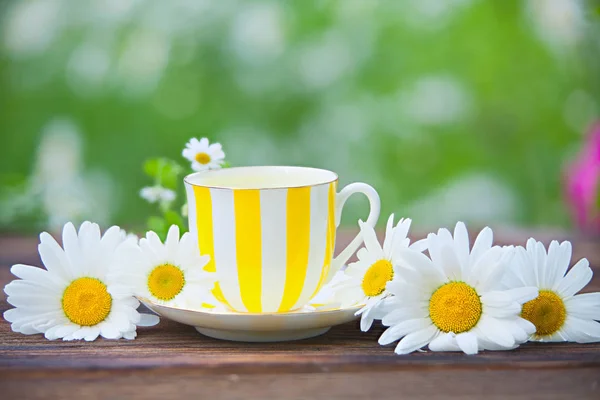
(188, 177)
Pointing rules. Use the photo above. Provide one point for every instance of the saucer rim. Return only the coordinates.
(145, 301)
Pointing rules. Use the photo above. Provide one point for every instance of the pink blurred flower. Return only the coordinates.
(583, 177)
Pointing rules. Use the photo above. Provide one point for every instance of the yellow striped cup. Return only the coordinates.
(270, 232)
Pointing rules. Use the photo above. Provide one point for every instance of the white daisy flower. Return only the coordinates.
(203, 155)
(171, 273)
(454, 301)
(80, 294)
(129, 235)
(558, 312)
(376, 266)
(157, 194)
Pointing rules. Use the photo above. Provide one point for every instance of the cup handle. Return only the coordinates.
(341, 197)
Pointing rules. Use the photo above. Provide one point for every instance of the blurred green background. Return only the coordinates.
(455, 109)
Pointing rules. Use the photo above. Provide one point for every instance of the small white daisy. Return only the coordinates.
(203, 155)
(454, 301)
(171, 273)
(376, 266)
(558, 313)
(80, 294)
(157, 194)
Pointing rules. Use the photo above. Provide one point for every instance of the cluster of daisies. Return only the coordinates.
(441, 294)
(89, 285)
(437, 292)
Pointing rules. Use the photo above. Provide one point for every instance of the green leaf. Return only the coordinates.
(226, 164)
(151, 167)
(159, 226)
(164, 171)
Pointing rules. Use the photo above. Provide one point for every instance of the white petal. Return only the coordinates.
(371, 243)
(70, 243)
(444, 342)
(494, 331)
(562, 262)
(482, 244)
(467, 342)
(66, 329)
(130, 335)
(451, 264)
(480, 271)
(399, 238)
(156, 245)
(524, 266)
(512, 309)
(92, 334)
(83, 331)
(416, 340)
(148, 320)
(408, 293)
(584, 306)
(581, 330)
(540, 257)
(111, 239)
(35, 301)
(496, 298)
(405, 327)
(515, 328)
(366, 320)
(50, 333)
(419, 245)
(349, 296)
(576, 279)
(523, 294)
(550, 265)
(34, 275)
(402, 314)
(461, 245)
(491, 277)
(120, 320)
(108, 331)
(422, 264)
(53, 256)
(120, 291)
(172, 241)
(389, 233)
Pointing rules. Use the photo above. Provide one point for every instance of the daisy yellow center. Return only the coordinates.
(202, 158)
(547, 312)
(166, 281)
(376, 277)
(86, 301)
(455, 307)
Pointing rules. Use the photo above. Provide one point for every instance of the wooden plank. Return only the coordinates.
(516, 384)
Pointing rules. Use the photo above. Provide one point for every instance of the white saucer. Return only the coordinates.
(257, 327)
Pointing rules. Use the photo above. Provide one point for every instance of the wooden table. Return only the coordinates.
(173, 361)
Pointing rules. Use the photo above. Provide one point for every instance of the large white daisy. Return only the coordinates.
(203, 155)
(171, 273)
(454, 300)
(376, 266)
(558, 312)
(80, 294)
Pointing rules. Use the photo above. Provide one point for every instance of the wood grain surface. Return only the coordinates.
(174, 361)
